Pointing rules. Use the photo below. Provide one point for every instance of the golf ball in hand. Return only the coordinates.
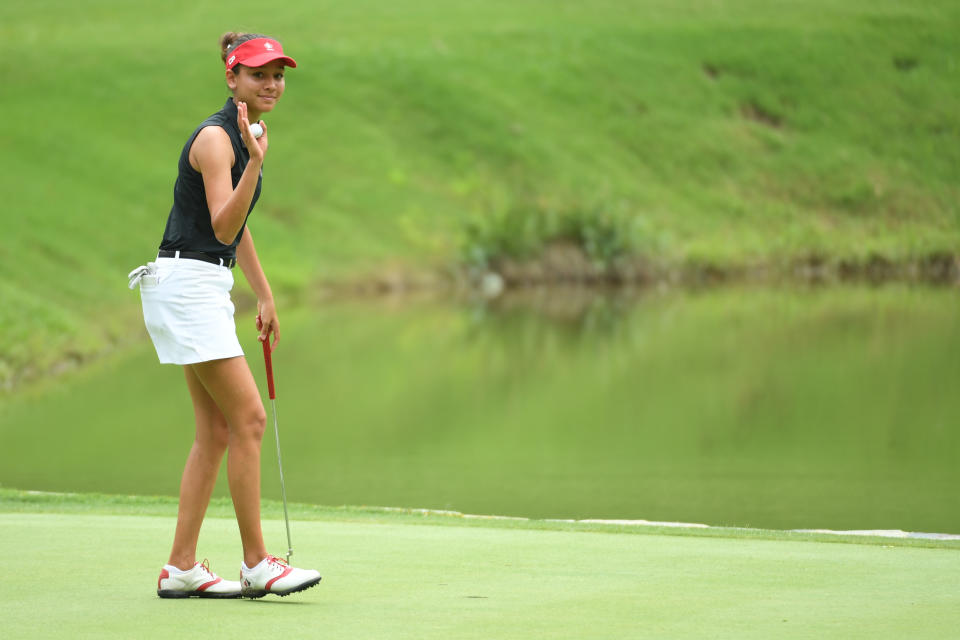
(256, 129)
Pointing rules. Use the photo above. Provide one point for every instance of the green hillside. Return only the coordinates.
(423, 134)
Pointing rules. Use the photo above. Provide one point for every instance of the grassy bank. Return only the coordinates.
(432, 134)
(398, 580)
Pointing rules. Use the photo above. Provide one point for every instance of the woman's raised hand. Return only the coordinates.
(257, 147)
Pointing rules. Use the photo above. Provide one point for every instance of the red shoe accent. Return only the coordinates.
(272, 580)
(164, 574)
(207, 585)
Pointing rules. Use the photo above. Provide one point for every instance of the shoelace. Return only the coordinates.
(205, 565)
(280, 563)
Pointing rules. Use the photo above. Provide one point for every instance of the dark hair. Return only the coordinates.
(231, 40)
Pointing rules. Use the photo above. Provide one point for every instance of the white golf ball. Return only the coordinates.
(256, 129)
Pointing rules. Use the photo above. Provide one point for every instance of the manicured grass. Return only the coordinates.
(18, 501)
(722, 133)
(92, 575)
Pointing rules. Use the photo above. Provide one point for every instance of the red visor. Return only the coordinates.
(258, 52)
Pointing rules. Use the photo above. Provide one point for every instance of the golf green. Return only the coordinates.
(92, 575)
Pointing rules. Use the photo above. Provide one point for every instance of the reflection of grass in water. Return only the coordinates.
(578, 313)
(765, 402)
(764, 408)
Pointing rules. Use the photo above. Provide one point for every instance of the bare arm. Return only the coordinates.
(212, 155)
(253, 272)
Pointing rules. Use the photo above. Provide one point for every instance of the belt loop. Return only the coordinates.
(176, 254)
(221, 262)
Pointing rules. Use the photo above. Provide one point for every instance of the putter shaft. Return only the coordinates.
(268, 361)
(283, 489)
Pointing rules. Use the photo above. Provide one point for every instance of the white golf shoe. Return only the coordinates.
(199, 582)
(273, 575)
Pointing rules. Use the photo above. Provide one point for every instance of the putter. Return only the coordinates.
(268, 360)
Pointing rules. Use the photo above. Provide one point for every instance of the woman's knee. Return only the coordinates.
(220, 435)
(213, 435)
(251, 423)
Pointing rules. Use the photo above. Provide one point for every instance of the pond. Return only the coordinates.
(776, 408)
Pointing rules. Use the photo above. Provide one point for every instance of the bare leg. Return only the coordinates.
(200, 472)
(232, 388)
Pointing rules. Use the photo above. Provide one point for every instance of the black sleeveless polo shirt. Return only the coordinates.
(188, 226)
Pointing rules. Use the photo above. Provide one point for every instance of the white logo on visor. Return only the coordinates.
(232, 58)
(268, 46)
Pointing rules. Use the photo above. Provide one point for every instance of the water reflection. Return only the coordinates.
(748, 407)
(829, 407)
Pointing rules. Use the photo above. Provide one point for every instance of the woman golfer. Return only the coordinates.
(189, 315)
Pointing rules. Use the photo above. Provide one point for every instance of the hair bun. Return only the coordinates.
(227, 40)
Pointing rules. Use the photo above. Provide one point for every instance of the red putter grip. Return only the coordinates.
(268, 359)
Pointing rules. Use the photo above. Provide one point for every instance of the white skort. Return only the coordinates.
(187, 310)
